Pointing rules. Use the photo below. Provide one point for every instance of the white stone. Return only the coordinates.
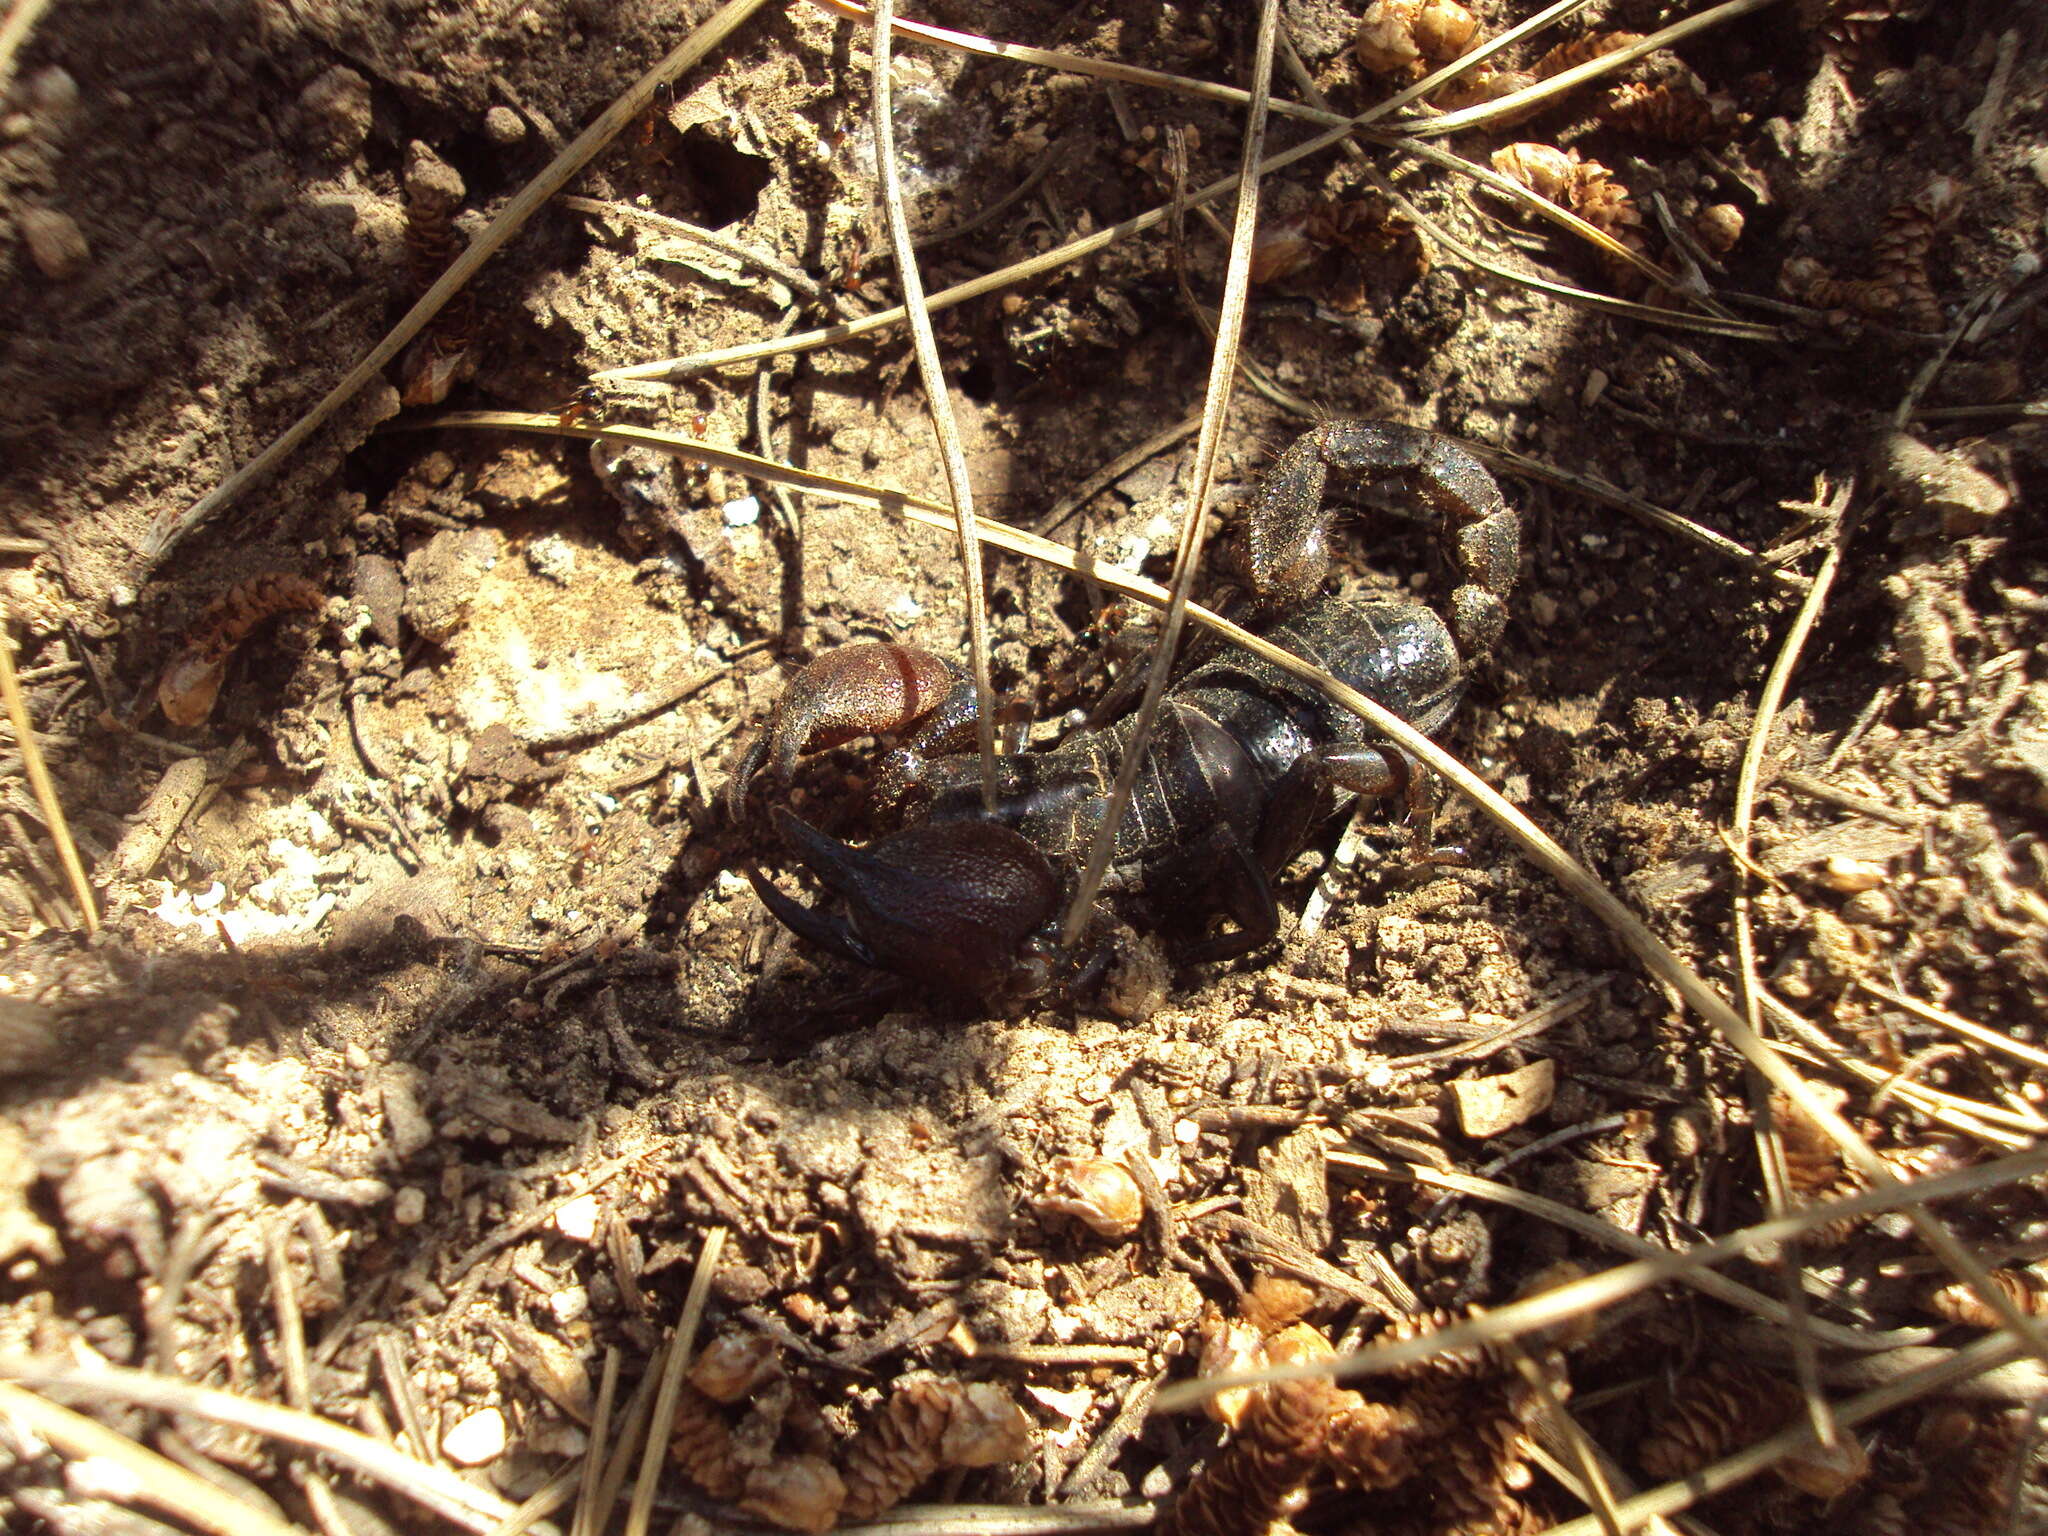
(577, 1220)
(476, 1439)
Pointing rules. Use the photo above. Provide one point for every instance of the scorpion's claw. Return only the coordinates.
(956, 902)
(856, 690)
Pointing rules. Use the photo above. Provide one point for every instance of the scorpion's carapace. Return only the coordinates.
(1242, 763)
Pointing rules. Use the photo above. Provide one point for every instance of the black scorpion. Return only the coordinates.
(1244, 759)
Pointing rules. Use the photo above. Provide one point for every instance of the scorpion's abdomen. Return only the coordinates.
(1400, 655)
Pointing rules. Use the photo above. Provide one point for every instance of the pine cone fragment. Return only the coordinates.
(2027, 1289)
(1258, 1477)
(927, 1424)
(701, 1445)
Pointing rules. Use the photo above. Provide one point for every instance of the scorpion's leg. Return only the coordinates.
(958, 903)
(1306, 793)
(1287, 550)
(855, 690)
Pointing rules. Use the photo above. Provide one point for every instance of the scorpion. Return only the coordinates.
(1243, 762)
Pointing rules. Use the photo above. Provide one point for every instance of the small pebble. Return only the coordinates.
(476, 1439)
(738, 514)
(55, 242)
(409, 1206)
(52, 94)
(335, 112)
(503, 126)
(577, 1220)
(1849, 876)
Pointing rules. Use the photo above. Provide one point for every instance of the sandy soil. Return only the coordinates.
(446, 1010)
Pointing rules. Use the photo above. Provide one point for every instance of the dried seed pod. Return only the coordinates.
(438, 359)
(1365, 226)
(1718, 226)
(733, 1365)
(1228, 1349)
(1281, 250)
(986, 1429)
(701, 1445)
(1900, 290)
(1373, 1446)
(1409, 38)
(1974, 1496)
(1726, 1406)
(1477, 87)
(189, 684)
(2026, 1289)
(1849, 28)
(925, 1425)
(1714, 1411)
(1544, 169)
(1905, 240)
(1259, 1476)
(1586, 187)
(798, 1493)
(1096, 1192)
(1478, 1471)
(1275, 1301)
(1468, 1363)
(1812, 1161)
(1297, 1344)
(1824, 1473)
(1679, 111)
(1605, 204)
(1582, 50)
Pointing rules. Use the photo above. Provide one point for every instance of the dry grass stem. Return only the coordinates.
(1593, 488)
(528, 201)
(542, 1502)
(792, 278)
(1706, 1281)
(21, 20)
(1208, 446)
(1114, 471)
(641, 1510)
(1607, 303)
(933, 371)
(2019, 1050)
(45, 790)
(434, 1488)
(1571, 79)
(157, 1482)
(592, 1471)
(1076, 250)
(1546, 1309)
(632, 1425)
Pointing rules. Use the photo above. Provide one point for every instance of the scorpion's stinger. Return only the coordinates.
(952, 901)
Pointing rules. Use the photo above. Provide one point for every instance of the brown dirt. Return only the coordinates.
(453, 937)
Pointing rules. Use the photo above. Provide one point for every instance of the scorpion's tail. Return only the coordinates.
(1287, 548)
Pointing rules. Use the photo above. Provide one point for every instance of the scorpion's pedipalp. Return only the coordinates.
(855, 690)
(952, 901)
(821, 928)
(1287, 537)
